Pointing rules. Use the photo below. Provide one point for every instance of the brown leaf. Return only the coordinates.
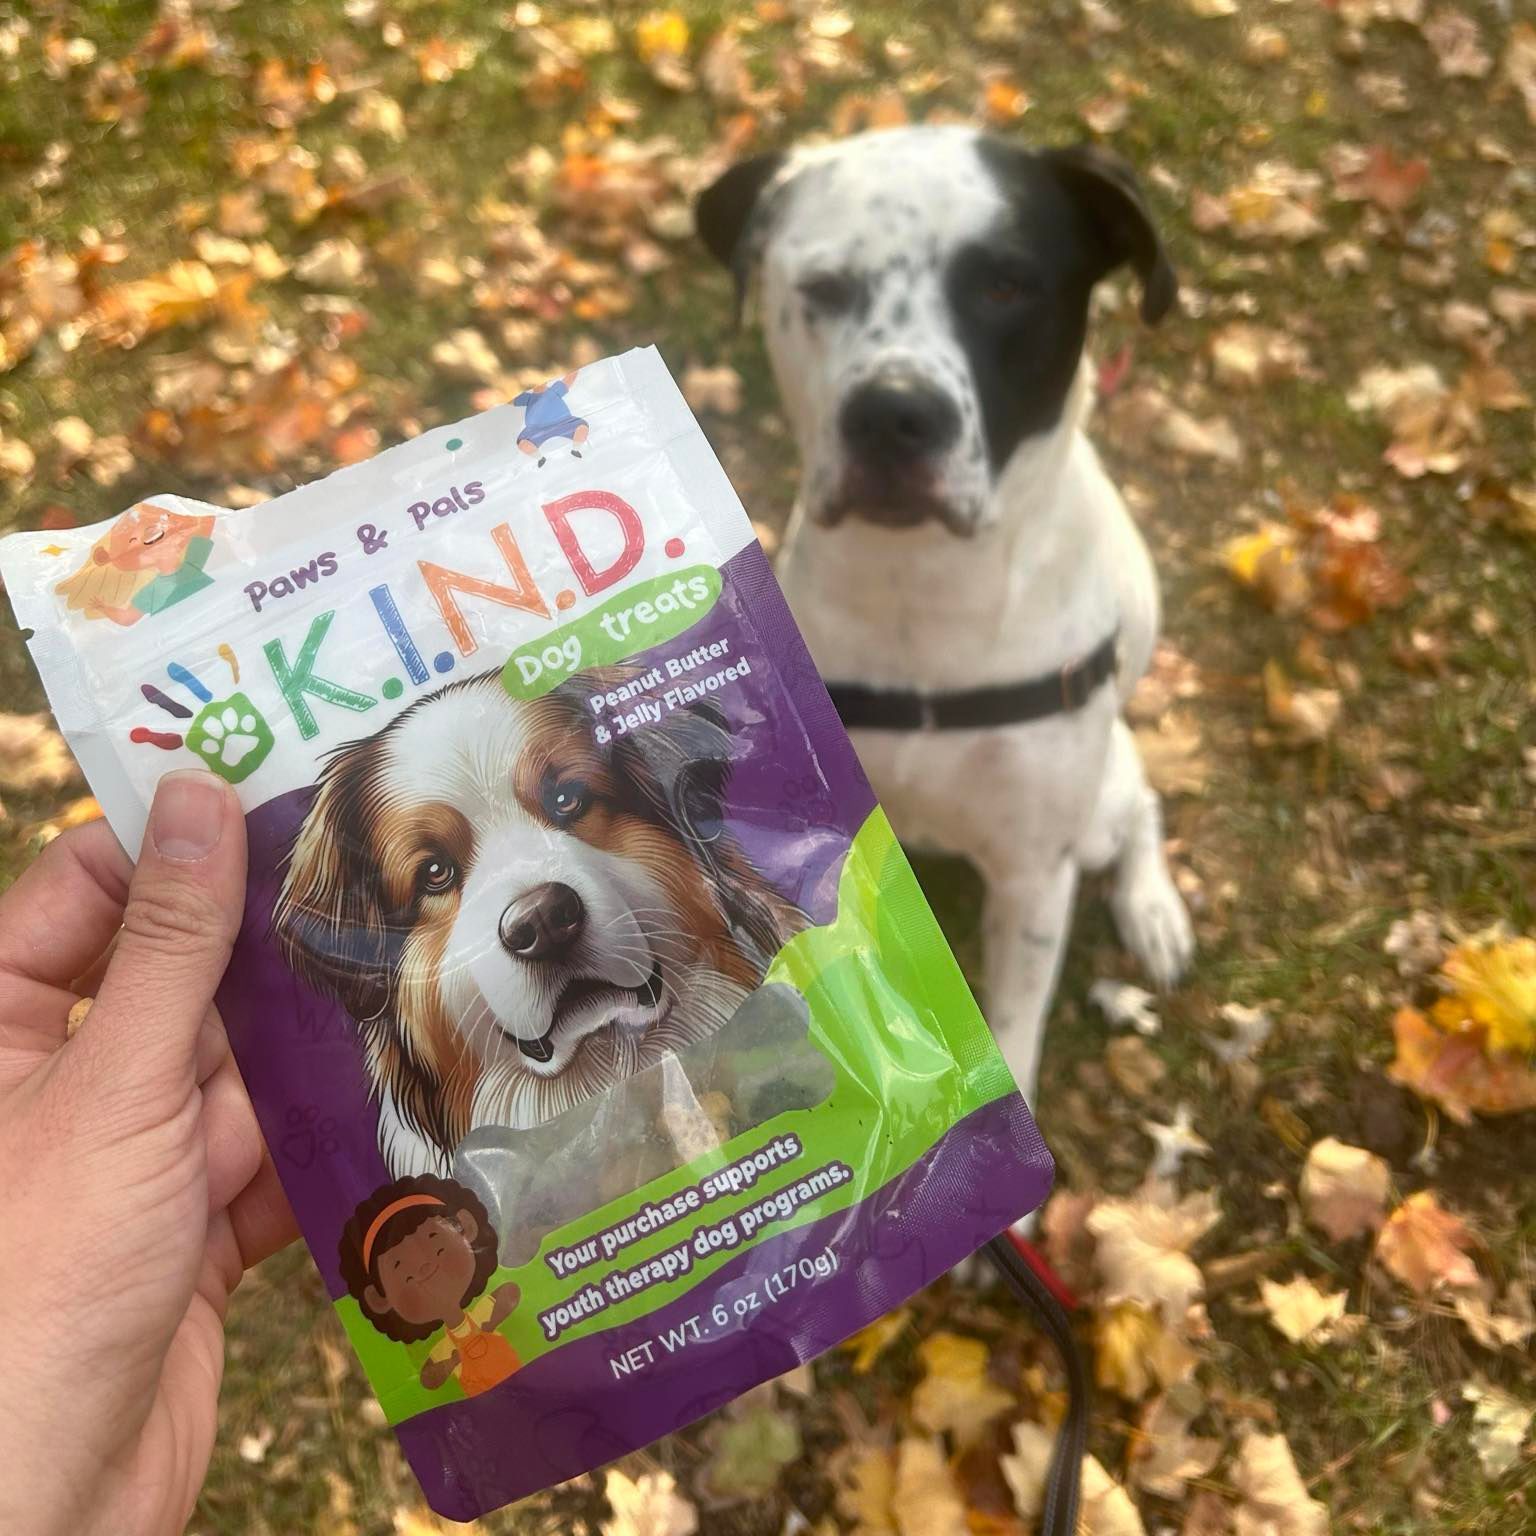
(1425, 1246)
(1518, 66)
(1134, 1065)
(1164, 1455)
(1457, 44)
(1378, 176)
(34, 758)
(1305, 715)
(1142, 1247)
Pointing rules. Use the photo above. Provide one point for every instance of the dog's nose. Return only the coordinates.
(897, 415)
(544, 923)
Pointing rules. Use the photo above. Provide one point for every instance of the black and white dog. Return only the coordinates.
(966, 575)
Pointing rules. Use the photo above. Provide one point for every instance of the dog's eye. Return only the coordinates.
(437, 875)
(833, 293)
(1003, 291)
(566, 800)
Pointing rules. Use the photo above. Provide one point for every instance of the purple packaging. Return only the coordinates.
(607, 1049)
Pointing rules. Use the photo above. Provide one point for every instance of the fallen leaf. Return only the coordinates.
(926, 1501)
(465, 355)
(336, 263)
(1004, 101)
(747, 1451)
(1134, 1066)
(1105, 114)
(1500, 1424)
(1125, 1006)
(17, 460)
(715, 390)
(34, 758)
(1164, 1456)
(1068, 1242)
(1174, 1142)
(1025, 1467)
(1142, 1248)
(1135, 1352)
(1304, 715)
(1509, 1329)
(1495, 981)
(1250, 1030)
(1414, 942)
(955, 1395)
(869, 1343)
(1518, 66)
(1344, 1189)
(187, 292)
(1457, 1070)
(253, 1445)
(1107, 1509)
(649, 1505)
(1246, 354)
(1425, 1246)
(1275, 1501)
(1269, 562)
(1378, 176)
(1173, 755)
(1457, 44)
(1300, 1311)
(865, 1478)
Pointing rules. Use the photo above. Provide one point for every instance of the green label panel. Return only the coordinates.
(646, 614)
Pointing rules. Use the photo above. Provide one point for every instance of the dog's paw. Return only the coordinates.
(1154, 924)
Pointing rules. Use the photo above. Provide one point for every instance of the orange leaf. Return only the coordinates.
(1425, 1246)
(1456, 1070)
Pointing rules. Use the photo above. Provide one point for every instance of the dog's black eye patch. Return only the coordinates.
(565, 800)
(1000, 282)
(832, 293)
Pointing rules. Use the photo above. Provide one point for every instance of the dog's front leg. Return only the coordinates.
(1025, 934)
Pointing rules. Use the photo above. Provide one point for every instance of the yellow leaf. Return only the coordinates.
(1425, 1246)
(955, 1394)
(1344, 1189)
(926, 1501)
(661, 34)
(868, 1344)
(1499, 1426)
(1134, 1352)
(1004, 101)
(1497, 981)
(865, 1477)
(1300, 1311)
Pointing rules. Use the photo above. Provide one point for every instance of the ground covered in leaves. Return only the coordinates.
(241, 244)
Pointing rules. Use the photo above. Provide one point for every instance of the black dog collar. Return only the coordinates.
(898, 709)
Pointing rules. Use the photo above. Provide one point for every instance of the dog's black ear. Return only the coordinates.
(328, 919)
(679, 769)
(1109, 193)
(723, 214)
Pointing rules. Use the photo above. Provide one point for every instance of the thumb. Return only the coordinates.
(183, 912)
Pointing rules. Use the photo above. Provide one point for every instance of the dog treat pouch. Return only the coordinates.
(609, 1054)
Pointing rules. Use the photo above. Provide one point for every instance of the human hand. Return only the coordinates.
(134, 1185)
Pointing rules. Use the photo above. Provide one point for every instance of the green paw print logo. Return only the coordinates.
(232, 737)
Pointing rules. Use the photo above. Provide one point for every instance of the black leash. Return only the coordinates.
(1063, 1482)
(1062, 692)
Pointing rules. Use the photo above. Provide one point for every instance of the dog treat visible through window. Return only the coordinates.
(594, 1018)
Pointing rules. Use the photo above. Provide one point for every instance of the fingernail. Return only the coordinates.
(187, 818)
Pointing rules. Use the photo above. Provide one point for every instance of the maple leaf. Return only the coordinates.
(1425, 1246)
(1004, 101)
(1142, 1248)
(649, 1505)
(865, 1477)
(1344, 1189)
(1300, 1311)
(1173, 755)
(1248, 354)
(1268, 562)
(185, 293)
(1068, 1242)
(34, 758)
(1275, 1500)
(1174, 1142)
(1497, 1330)
(1135, 1351)
(1125, 1006)
(872, 1341)
(661, 40)
(1164, 1455)
(1500, 1424)
(955, 1394)
(1376, 175)
(1456, 1069)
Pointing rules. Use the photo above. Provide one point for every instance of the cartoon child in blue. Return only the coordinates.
(546, 416)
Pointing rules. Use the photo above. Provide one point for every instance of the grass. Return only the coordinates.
(1301, 869)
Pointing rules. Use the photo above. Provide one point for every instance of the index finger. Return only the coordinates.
(56, 920)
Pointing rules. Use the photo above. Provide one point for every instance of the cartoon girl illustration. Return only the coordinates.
(147, 560)
(416, 1256)
(546, 416)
